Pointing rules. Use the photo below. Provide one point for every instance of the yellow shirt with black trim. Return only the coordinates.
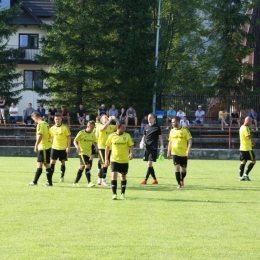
(59, 136)
(179, 141)
(245, 143)
(104, 134)
(43, 129)
(96, 129)
(119, 144)
(85, 141)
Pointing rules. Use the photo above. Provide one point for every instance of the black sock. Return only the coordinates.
(147, 174)
(241, 169)
(178, 177)
(62, 170)
(183, 175)
(123, 186)
(249, 168)
(49, 173)
(79, 174)
(37, 175)
(114, 186)
(90, 164)
(53, 167)
(87, 172)
(104, 172)
(152, 172)
(99, 164)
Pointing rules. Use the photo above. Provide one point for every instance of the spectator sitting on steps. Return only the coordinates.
(199, 114)
(222, 116)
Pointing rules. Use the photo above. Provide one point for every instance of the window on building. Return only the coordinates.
(29, 41)
(32, 79)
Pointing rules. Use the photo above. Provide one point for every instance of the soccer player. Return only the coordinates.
(180, 142)
(120, 143)
(83, 143)
(245, 149)
(104, 131)
(61, 139)
(43, 148)
(152, 132)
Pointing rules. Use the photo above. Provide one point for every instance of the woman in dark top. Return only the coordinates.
(122, 115)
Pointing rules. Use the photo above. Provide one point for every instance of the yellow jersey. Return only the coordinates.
(44, 130)
(85, 141)
(104, 134)
(179, 141)
(96, 129)
(245, 143)
(59, 136)
(119, 144)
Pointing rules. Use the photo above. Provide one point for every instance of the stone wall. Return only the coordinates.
(209, 154)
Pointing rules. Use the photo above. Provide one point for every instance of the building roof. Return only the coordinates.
(32, 11)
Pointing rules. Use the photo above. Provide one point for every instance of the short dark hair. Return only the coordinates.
(119, 124)
(36, 114)
(152, 114)
(92, 122)
(176, 118)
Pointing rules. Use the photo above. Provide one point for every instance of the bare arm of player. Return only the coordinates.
(77, 147)
(106, 156)
(96, 147)
(38, 140)
(69, 142)
(131, 154)
(189, 147)
(169, 150)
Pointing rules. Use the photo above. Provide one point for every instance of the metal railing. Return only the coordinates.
(18, 53)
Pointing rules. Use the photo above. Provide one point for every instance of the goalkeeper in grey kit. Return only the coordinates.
(149, 142)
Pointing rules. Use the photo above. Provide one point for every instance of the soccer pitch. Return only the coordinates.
(213, 217)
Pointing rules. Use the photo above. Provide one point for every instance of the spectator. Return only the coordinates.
(81, 114)
(42, 112)
(2, 109)
(185, 122)
(28, 114)
(131, 117)
(52, 112)
(199, 114)
(13, 113)
(122, 115)
(64, 113)
(102, 110)
(170, 114)
(253, 116)
(222, 116)
(113, 111)
(144, 122)
(181, 114)
(235, 119)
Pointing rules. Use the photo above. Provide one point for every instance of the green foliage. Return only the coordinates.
(8, 76)
(100, 52)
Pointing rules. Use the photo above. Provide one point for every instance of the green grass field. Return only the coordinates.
(213, 217)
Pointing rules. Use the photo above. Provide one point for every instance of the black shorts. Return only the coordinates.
(44, 156)
(93, 149)
(247, 155)
(150, 154)
(101, 153)
(84, 159)
(119, 167)
(181, 160)
(59, 154)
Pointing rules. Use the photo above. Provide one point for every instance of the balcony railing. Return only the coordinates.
(19, 53)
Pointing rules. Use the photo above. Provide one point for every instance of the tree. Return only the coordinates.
(9, 85)
(100, 52)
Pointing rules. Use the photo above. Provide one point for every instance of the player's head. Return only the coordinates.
(57, 120)
(151, 118)
(176, 121)
(120, 127)
(104, 119)
(98, 119)
(248, 121)
(36, 116)
(90, 126)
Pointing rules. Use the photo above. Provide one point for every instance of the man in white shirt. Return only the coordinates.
(185, 122)
(181, 114)
(13, 114)
(199, 114)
